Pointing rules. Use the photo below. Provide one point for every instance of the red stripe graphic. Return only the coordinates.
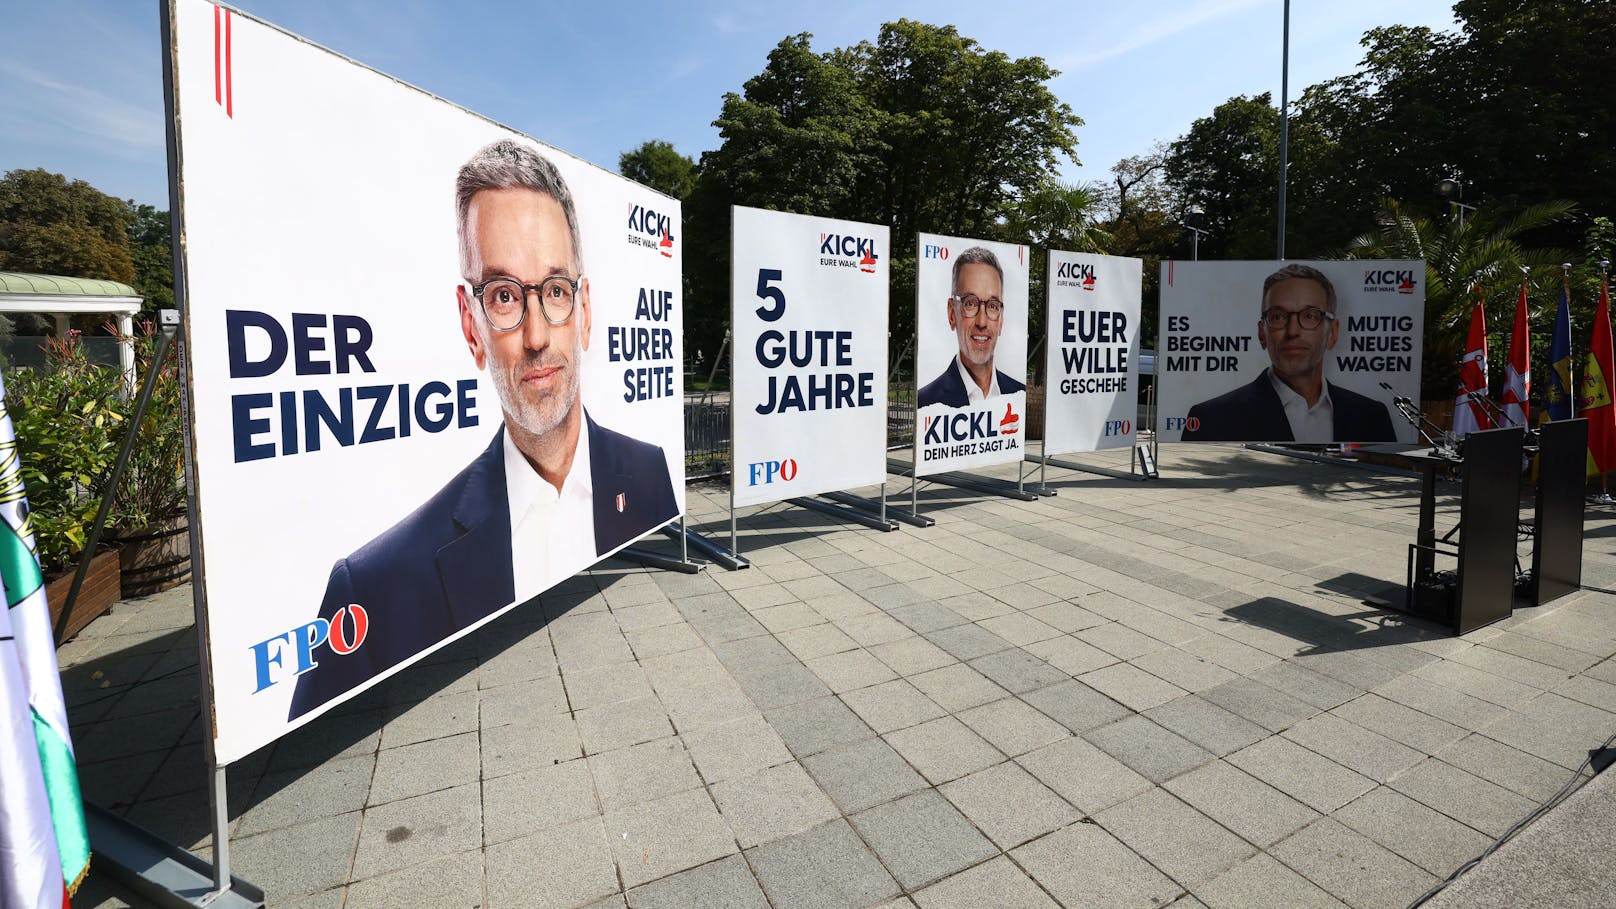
(221, 68)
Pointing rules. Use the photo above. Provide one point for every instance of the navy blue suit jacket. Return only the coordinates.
(448, 564)
(949, 388)
(1254, 413)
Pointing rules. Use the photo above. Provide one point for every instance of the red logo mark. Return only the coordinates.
(867, 264)
(667, 252)
(1009, 424)
(341, 641)
(221, 62)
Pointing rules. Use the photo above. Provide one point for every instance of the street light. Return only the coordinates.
(1450, 190)
(1195, 222)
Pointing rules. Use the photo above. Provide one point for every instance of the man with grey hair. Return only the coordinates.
(976, 313)
(551, 493)
(1291, 401)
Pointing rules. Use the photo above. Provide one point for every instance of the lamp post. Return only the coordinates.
(1450, 190)
(1195, 222)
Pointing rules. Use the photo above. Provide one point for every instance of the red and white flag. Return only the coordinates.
(1518, 374)
(1469, 414)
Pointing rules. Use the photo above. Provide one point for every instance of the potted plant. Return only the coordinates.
(69, 417)
(149, 517)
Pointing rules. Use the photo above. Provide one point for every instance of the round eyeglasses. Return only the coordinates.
(1310, 318)
(505, 300)
(971, 303)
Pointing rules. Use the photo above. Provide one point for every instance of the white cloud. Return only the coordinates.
(113, 124)
(1151, 31)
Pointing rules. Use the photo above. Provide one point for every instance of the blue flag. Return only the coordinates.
(1559, 403)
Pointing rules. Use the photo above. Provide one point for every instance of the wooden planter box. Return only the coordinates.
(155, 558)
(101, 589)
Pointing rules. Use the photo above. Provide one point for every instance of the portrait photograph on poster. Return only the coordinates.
(809, 315)
(459, 385)
(1091, 352)
(1310, 352)
(971, 353)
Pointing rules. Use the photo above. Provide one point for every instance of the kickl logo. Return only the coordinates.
(1010, 422)
(651, 230)
(1074, 274)
(1386, 280)
(842, 251)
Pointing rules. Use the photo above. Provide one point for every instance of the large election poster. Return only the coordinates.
(809, 299)
(971, 353)
(433, 366)
(1289, 351)
(1091, 352)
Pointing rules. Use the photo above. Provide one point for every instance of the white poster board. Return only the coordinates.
(356, 475)
(1091, 352)
(809, 310)
(971, 356)
(1340, 341)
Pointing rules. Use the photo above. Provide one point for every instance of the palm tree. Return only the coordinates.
(1484, 248)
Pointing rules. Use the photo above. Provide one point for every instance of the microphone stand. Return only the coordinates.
(1442, 444)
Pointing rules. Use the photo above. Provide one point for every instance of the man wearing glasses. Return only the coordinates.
(553, 491)
(1291, 401)
(976, 312)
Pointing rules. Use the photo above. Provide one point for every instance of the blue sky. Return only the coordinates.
(81, 82)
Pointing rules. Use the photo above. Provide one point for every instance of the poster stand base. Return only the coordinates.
(867, 505)
(1085, 468)
(1284, 452)
(657, 560)
(844, 512)
(986, 485)
(161, 872)
(728, 558)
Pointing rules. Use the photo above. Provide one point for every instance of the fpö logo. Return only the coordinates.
(1075, 274)
(345, 633)
(1184, 424)
(651, 230)
(762, 473)
(848, 251)
(933, 251)
(1386, 280)
(1120, 427)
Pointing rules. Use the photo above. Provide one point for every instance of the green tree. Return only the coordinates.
(49, 225)
(153, 257)
(658, 165)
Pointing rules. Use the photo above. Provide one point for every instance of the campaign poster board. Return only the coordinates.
(1222, 375)
(347, 386)
(1091, 352)
(809, 313)
(956, 427)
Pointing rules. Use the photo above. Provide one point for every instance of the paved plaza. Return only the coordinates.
(1125, 695)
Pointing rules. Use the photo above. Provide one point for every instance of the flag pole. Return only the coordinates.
(1604, 475)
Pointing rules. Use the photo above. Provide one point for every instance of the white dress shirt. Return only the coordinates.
(973, 391)
(551, 531)
(1308, 424)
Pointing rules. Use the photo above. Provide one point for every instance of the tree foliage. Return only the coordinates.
(922, 130)
(49, 225)
(658, 165)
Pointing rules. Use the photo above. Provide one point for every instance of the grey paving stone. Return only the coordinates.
(818, 640)
(782, 686)
(1065, 616)
(724, 884)
(518, 746)
(1464, 797)
(1321, 691)
(1119, 640)
(1148, 748)
(1013, 726)
(812, 726)
(298, 796)
(1440, 701)
(296, 860)
(1260, 882)
(736, 748)
(1400, 723)
(1206, 724)
(417, 769)
(518, 702)
(1183, 842)
(1019, 628)
(923, 617)
(455, 880)
(432, 719)
(532, 800)
(1018, 671)
(1353, 746)
(1267, 707)
(1426, 837)
(1186, 670)
(771, 804)
(412, 831)
(911, 656)
(967, 642)
(1239, 801)
(1009, 805)
(850, 670)
(957, 687)
(827, 867)
(566, 867)
(613, 726)
(641, 773)
(997, 883)
(684, 669)
(1075, 705)
(656, 839)
(1313, 780)
(1131, 686)
(943, 749)
(921, 838)
(863, 774)
(707, 705)
(654, 642)
(1083, 865)
(1083, 774)
(754, 654)
(1513, 769)
(1351, 867)
(891, 705)
(1241, 659)
(1071, 654)
(606, 685)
